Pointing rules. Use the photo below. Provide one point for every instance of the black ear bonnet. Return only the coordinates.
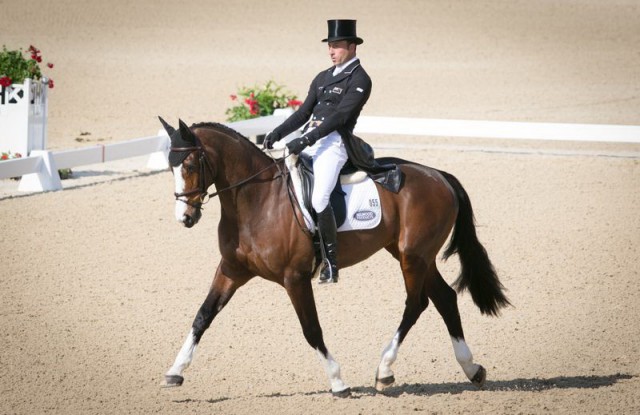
(181, 138)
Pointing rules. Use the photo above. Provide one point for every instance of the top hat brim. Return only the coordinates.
(356, 39)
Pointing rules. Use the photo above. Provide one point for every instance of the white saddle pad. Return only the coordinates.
(363, 206)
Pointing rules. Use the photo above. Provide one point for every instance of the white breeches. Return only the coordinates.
(329, 155)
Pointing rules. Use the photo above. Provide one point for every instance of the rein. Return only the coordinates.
(202, 186)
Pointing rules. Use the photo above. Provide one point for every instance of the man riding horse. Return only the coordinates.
(334, 102)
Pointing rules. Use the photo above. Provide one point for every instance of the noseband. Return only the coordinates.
(202, 188)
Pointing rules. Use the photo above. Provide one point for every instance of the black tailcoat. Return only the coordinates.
(334, 104)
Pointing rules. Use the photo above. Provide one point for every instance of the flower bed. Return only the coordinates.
(23, 101)
(15, 68)
(260, 101)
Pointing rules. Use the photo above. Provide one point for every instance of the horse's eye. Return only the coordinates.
(190, 168)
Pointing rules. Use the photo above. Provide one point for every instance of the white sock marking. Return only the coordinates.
(185, 356)
(389, 356)
(464, 357)
(333, 371)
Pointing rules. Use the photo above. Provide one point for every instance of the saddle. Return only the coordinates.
(348, 175)
(355, 199)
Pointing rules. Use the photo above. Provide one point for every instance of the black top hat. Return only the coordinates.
(342, 30)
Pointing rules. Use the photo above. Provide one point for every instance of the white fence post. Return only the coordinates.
(23, 117)
(159, 160)
(45, 178)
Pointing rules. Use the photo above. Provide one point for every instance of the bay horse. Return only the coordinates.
(260, 234)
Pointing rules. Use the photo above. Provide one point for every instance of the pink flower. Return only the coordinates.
(233, 97)
(5, 81)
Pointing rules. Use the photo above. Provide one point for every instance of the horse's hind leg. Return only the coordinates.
(444, 298)
(413, 271)
(221, 291)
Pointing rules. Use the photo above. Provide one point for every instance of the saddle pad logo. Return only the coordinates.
(364, 215)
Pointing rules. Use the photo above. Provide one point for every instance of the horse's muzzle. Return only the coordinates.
(190, 220)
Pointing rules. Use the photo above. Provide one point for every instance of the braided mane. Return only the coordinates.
(230, 132)
(220, 127)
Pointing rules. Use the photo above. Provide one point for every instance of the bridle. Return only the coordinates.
(202, 187)
(202, 190)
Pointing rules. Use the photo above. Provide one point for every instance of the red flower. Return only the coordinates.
(294, 103)
(254, 108)
(233, 97)
(5, 156)
(50, 83)
(37, 58)
(5, 81)
(34, 52)
(50, 65)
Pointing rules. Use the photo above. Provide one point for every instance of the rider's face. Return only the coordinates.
(341, 51)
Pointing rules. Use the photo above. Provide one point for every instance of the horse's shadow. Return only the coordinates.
(520, 385)
(430, 389)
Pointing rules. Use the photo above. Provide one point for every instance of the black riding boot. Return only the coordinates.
(329, 237)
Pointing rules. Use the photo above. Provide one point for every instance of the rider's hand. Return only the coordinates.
(270, 139)
(296, 146)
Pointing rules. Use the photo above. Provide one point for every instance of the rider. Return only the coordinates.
(336, 97)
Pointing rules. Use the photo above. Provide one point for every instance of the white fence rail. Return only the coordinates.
(39, 170)
(499, 129)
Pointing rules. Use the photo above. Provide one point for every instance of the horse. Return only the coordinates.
(260, 233)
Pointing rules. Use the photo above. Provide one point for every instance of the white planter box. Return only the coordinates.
(23, 117)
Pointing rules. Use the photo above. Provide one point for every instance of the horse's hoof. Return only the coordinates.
(342, 394)
(384, 383)
(479, 378)
(172, 381)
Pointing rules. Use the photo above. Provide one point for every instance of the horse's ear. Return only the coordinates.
(169, 129)
(185, 133)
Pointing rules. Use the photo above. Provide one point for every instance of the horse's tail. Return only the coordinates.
(477, 273)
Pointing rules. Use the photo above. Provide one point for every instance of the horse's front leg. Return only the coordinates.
(221, 291)
(301, 294)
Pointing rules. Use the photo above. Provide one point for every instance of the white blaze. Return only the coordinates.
(181, 206)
